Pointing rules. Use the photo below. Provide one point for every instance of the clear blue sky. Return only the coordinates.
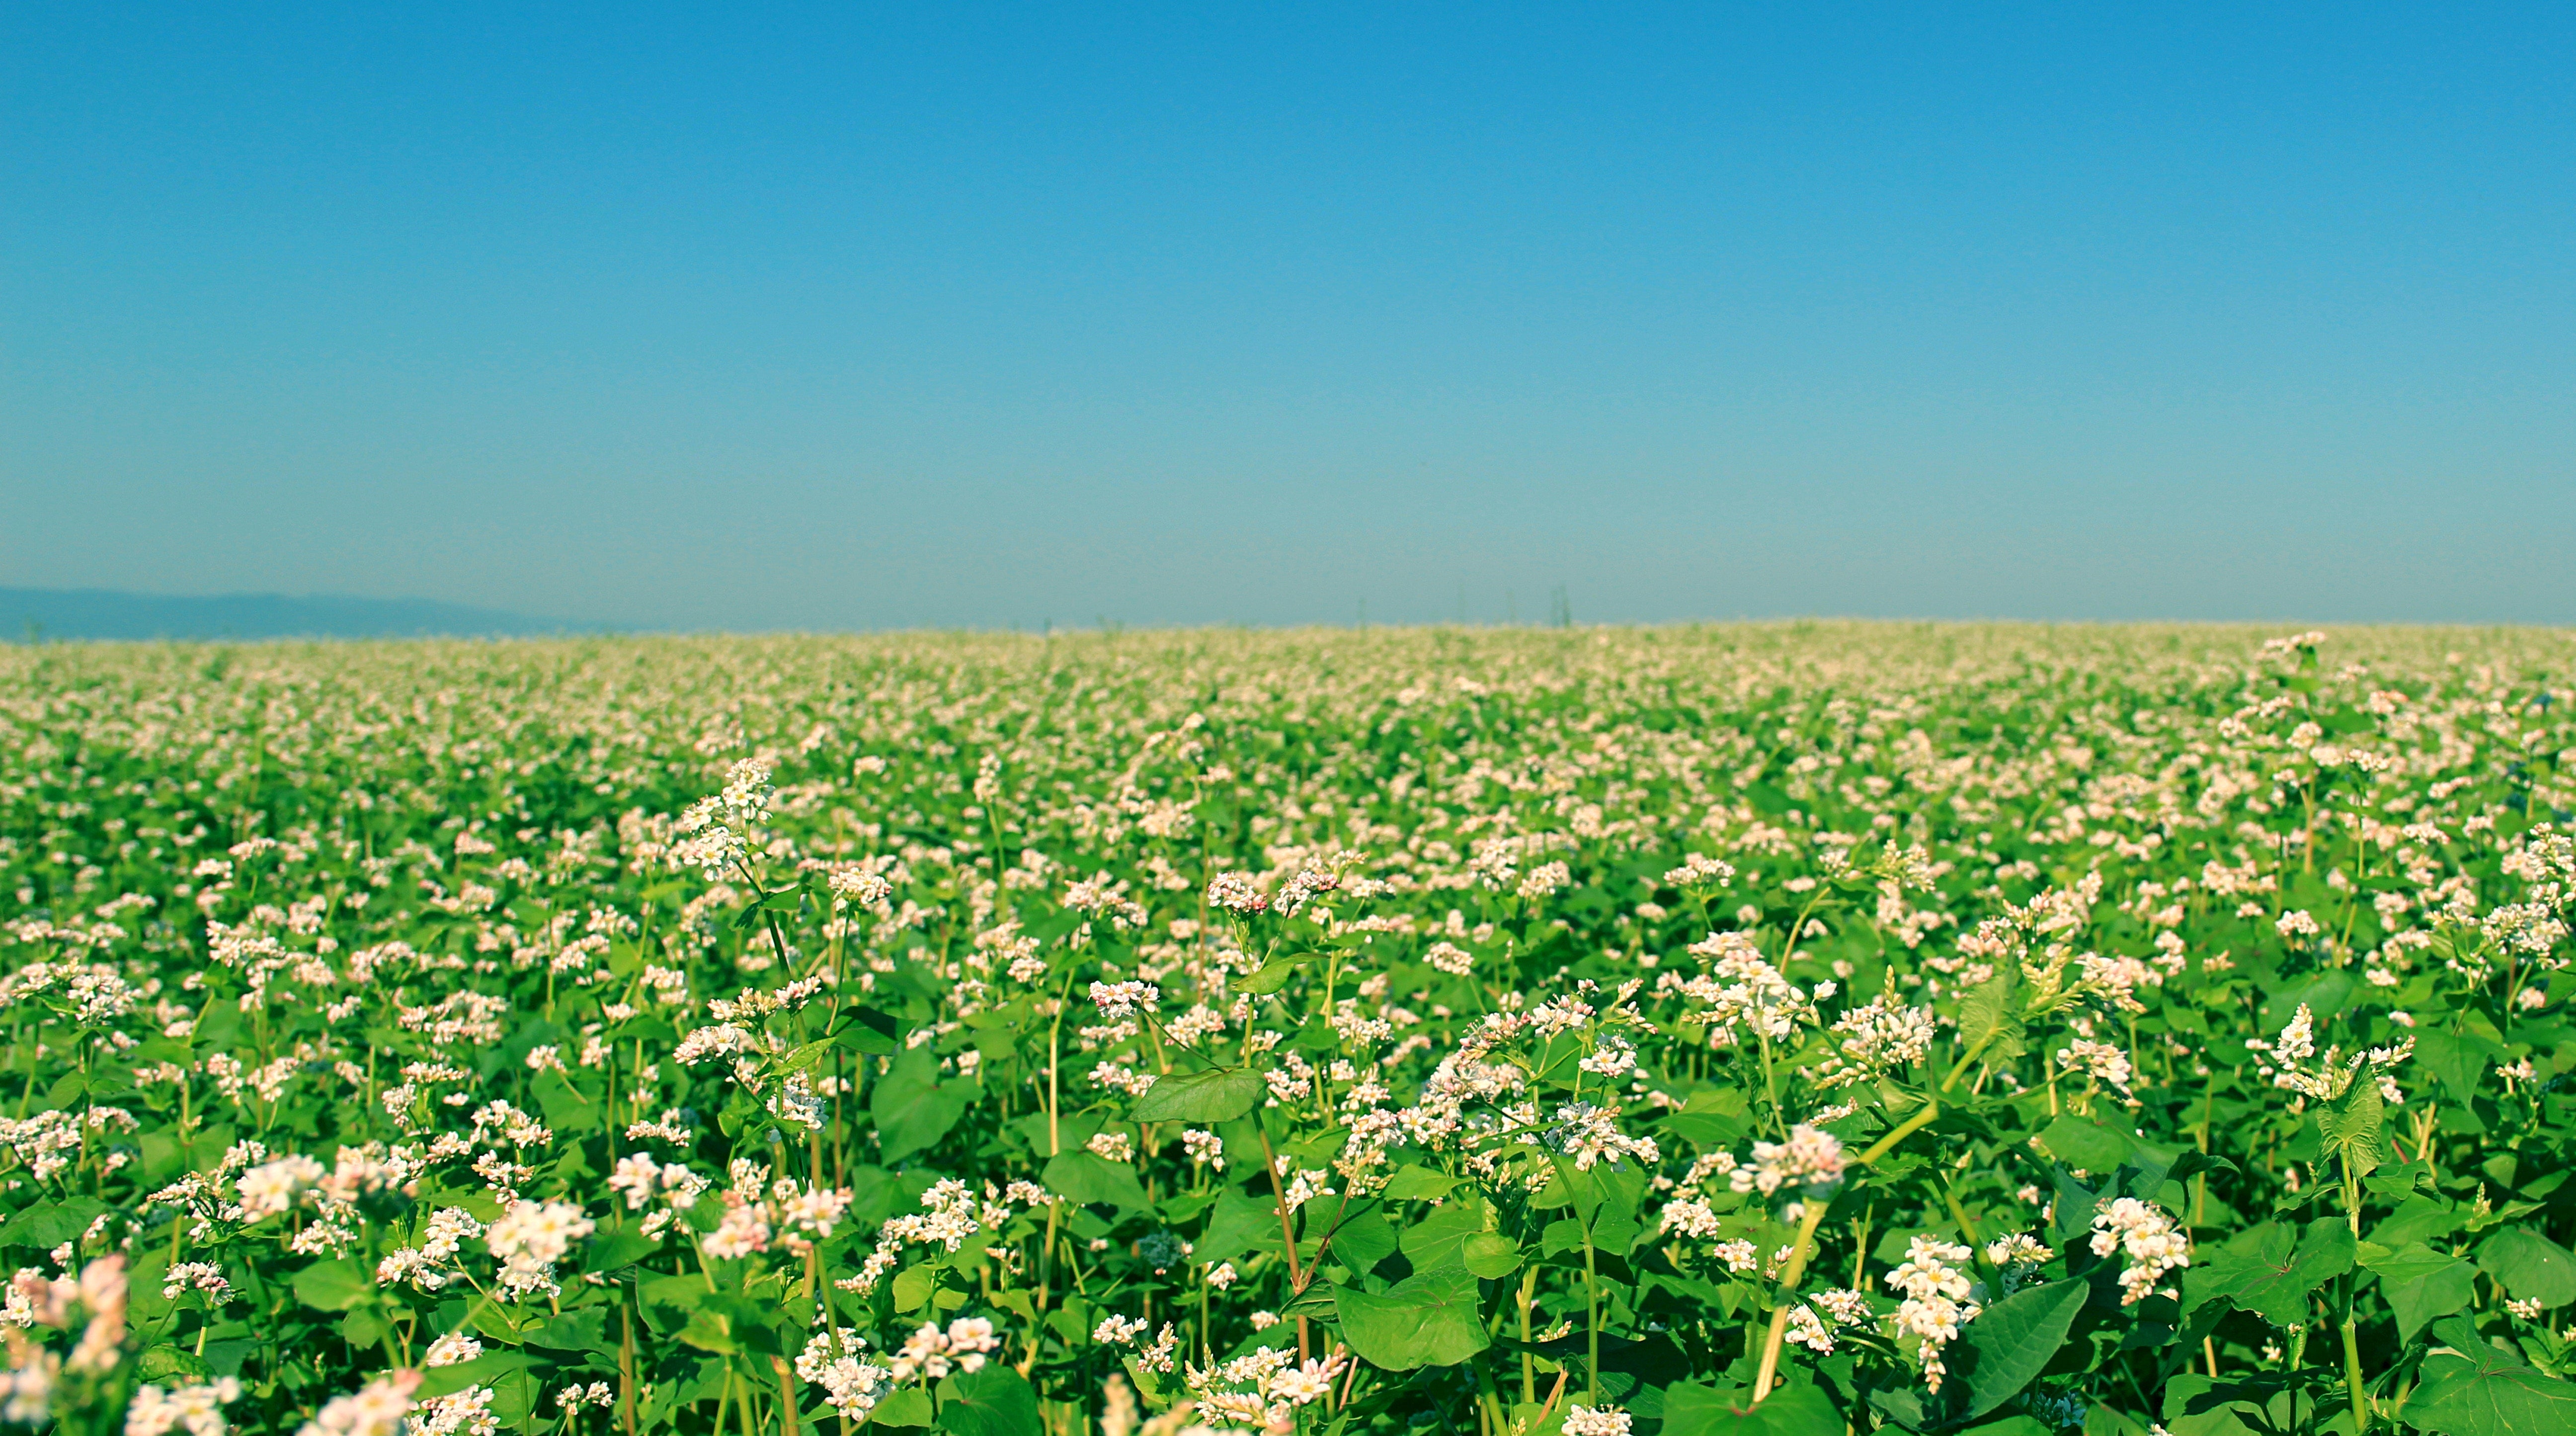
(766, 316)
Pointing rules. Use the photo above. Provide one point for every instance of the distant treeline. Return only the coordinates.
(35, 615)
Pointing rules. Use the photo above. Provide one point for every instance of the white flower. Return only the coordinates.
(199, 1409)
(1235, 893)
(270, 1187)
(1935, 1306)
(1112, 1147)
(1810, 1159)
(2147, 1237)
(376, 1410)
(1596, 1421)
(1121, 999)
(530, 1238)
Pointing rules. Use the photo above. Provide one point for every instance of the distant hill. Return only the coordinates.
(67, 613)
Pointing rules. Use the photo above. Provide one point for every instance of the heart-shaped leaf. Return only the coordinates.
(1425, 1320)
(2004, 1349)
(1219, 1094)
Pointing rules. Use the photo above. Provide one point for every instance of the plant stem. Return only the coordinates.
(1799, 1249)
(1287, 1232)
(1965, 1059)
(2352, 1323)
(1790, 1276)
(786, 1396)
(1592, 1315)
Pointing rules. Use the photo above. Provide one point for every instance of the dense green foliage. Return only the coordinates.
(1783, 1029)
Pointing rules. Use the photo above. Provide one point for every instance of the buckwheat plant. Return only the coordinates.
(1797, 1029)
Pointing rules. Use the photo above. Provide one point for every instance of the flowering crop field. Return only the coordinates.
(1780, 1030)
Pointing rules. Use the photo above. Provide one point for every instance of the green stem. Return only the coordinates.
(1800, 1249)
(1965, 1060)
(1790, 1276)
(1592, 1309)
(2352, 1323)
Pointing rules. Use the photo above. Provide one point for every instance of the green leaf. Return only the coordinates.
(2197, 1406)
(2350, 1126)
(913, 1108)
(1424, 1320)
(582, 1330)
(1712, 1118)
(2271, 1271)
(684, 1292)
(513, 1397)
(484, 1370)
(334, 1285)
(1364, 1240)
(995, 1401)
(1316, 1304)
(164, 1362)
(2014, 1423)
(1439, 1239)
(1491, 1255)
(1274, 974)
(621, 1246)
(2071, 1212)
(50, 1224)
(909, 1406)
(1238, 1224)
(1418, 1184)
(2421, 1284)
(2478, 1390)
(1691, 1409)
(2005, 1348)
(1989, 1023)
(706, 1331)
(2418, 1218)
(2530, 1265)
(912, 1287)
(871, 1031)
(2085, 1145)
(2458, 1058)
(1219, 1094)
(2323, 995)
(1089, 1177)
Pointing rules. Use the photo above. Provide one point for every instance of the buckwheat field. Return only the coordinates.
(1788, 1030)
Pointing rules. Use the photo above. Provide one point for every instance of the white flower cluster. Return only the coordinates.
(640, 1180)
(851, 1387)
(1117, 1000)
(1596, 1421)
(1700, 874)
(1263, 1387)
(1235, 893)
(378, 1409)
(715, 832)
(1935, 1302)
(2331, 1075)
(930, 1353)
(1590, 1134)
(950, 1214)
(529, 1239)
(2147, 1237)
(1883, 1037)
(2017, 1256)
(1810, 1160)
(1840, 1307)
(197, 1409)
(431, 1265)
(1744, 991)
